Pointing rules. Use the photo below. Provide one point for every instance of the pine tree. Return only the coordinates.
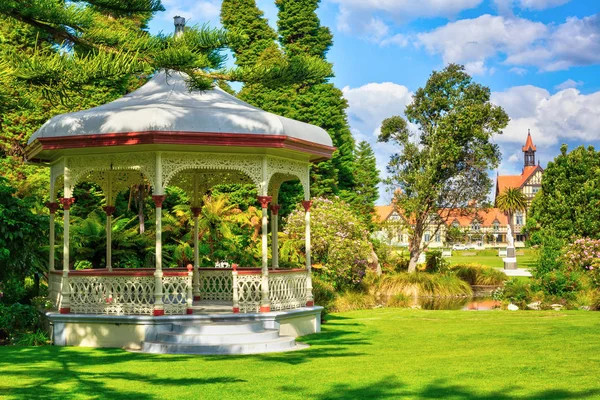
(366, 179)
(314, 101)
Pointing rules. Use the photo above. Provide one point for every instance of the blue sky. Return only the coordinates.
(540, 58)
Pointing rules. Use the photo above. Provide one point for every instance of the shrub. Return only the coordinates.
(516, 291)
(323, 292)
(37, 338)
(583, 255)
(422, 284)
(17, 319)
(477, 274)
(340, 242)
(353, 300)
(434, 262)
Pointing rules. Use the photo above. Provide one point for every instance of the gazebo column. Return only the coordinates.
(159, 308)
(309, 295)
(65, 304)
(265, 303)
(275, 236)
(109, 210)
(52, 206)
(196, 281)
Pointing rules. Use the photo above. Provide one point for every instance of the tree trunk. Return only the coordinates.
(412, 265)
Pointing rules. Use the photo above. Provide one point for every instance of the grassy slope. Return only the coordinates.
(490, 257)
(363, 354)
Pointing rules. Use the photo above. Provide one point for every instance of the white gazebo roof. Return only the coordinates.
(164, 104)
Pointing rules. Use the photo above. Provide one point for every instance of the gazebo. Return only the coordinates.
(166, 135)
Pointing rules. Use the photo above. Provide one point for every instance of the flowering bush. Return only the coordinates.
(341, 250)
(584, 255)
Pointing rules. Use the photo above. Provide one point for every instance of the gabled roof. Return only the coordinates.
(382, 213)
(516, 181)
(529, 146)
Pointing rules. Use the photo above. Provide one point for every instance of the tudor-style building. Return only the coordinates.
(485, 227)
(529, 182)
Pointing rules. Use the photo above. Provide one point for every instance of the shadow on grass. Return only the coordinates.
(62, 373)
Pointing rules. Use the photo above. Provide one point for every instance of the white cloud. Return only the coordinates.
(568, 84)
(195, 12)
(540, 4)
(562, 117)
(518, 71)
(398, 40)
(473, 41)
(365, 17)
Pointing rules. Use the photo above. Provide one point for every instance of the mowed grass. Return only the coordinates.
(383, 353)
(490, 258)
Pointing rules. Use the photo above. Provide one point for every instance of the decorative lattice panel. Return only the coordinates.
(288, 290)
(111, 294)
(175, 294)
(216, 285)
(249, 292)
(284, 168)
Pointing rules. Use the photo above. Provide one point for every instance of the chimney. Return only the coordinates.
(179, 25)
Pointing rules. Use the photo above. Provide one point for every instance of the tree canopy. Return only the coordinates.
(567, 205)
(444, 165)
(510, 201)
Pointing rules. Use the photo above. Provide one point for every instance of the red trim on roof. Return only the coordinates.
(529, 146)
(180, 138)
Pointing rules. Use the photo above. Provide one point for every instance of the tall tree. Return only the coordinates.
(313, 101)
(445, 164)
(366, 178)
(510, 201)
(567, 205)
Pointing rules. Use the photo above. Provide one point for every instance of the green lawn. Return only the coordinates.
(490, 258)
(393, 353)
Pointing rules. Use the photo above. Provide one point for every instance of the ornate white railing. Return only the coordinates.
(215, 284)
(287, 290)
(132, 291)
(126, 292)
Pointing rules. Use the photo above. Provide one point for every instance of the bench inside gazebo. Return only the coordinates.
(164, 135)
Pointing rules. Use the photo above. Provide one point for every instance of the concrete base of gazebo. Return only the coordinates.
(208, 323)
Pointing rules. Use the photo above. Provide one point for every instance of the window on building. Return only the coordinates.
(519, 218)
(427, 237)
(438, 237)
(496, 225)
(455, 224)
(535, 189)
(475, 226)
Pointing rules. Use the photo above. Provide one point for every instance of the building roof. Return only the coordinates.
(516, 181)
(529, 146)
(485, 217)
(164, 104)
(382, 213)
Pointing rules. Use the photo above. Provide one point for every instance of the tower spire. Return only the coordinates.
(529, 150)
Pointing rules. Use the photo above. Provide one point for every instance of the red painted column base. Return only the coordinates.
(236, 310)
(310, 304)
(158, 313)
(197, 298)
(265, 309)
(65, 310)
(189, 311)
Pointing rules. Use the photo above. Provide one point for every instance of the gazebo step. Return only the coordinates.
(276, 345)
(218, 339)
(219, 328)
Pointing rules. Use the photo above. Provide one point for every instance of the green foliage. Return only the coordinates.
(366, 179)
(516, 291)
(352, 300)
(477, 274)
(434, 262)
(323, 292)
(300, 31)
(15, 320)
(567, 205)
(446, 165)
(340, 246)
(30, 339)
(422, 284)
(22, 237)
(583, 255)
